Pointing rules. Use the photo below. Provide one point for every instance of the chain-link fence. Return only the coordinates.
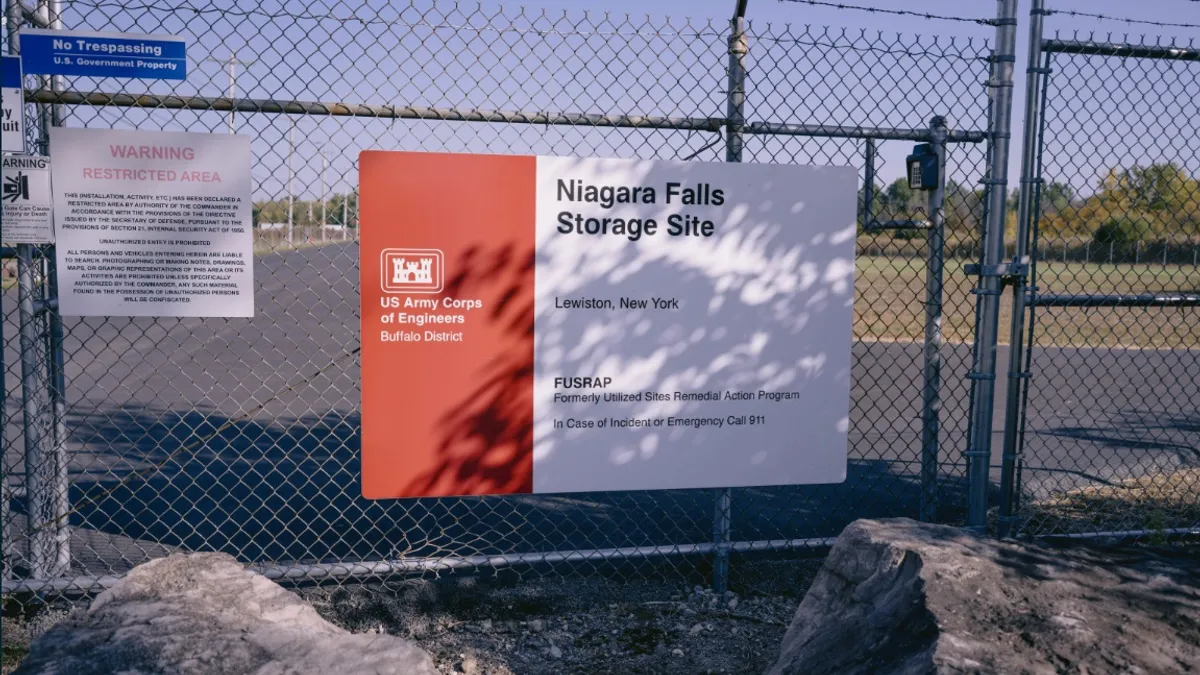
(153, 435)
(242, 435)
(1110, 414)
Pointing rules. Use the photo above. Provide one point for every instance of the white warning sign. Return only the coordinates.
(152, 223)
(27, 200)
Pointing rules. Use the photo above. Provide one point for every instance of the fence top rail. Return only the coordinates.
(339, 109)
(878, 133)
(1088, 47)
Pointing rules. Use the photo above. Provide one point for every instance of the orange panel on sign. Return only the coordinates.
(447, 274)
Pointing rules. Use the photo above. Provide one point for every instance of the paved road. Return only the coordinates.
(280, 480)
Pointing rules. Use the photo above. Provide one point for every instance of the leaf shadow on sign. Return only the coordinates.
(764, 307)
(487, 435)
(486, 438)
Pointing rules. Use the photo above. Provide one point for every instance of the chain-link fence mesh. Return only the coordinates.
(242, 435)
(1112, 416)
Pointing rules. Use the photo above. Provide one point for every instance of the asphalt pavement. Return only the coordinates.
(279, 478)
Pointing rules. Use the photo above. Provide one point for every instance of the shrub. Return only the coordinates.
(1122, 232)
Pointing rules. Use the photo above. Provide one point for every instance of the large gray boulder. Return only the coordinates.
(901, 597)
(204, 613)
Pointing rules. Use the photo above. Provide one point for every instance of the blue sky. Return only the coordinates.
(776, 12)
(668, 72)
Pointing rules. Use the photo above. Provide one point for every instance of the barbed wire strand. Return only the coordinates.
(310, 16)
(895, 12)
(380, 21)
(421, 23)
(1105, 17)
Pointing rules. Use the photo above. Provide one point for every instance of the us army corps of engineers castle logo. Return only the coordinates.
(412, 270)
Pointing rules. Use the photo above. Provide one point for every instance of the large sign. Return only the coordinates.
(545, 324)
(92, 54)
(152, 223)
(12, 115)
(27, 200)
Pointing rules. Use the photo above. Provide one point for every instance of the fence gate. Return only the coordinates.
(1102, 434)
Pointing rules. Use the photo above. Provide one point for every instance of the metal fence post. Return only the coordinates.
(56, 364)
(723, 504)
(38, 483)
(988, 289)
(931, 401)
(40, 335)
(1017, 360)
(12, 15)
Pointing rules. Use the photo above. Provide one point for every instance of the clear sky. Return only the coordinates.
(497, 57)
(777, 12)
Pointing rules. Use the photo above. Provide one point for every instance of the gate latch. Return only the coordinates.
(1008, 272)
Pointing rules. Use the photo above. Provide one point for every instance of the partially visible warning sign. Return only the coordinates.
(27, 200)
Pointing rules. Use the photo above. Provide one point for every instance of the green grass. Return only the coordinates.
(275, 242)
(13, 646)
(890, 297)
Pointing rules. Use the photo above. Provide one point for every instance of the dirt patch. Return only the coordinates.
(18, 630)
(574, 625)
(1157, 504)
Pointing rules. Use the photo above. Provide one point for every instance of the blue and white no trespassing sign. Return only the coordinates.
(91, 54)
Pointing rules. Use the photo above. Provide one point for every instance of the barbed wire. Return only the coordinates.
(706, 31)
(896, 12)
(978, 53)
(1105, 17)
(421, 23)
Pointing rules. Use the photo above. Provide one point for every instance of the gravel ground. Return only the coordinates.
(589, 625)
(521, 623)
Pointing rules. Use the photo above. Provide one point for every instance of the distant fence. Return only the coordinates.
(1086, 252)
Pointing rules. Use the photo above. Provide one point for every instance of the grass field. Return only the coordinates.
(276, 242)
(890, 304)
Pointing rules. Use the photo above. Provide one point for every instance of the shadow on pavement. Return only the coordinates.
(290, 491)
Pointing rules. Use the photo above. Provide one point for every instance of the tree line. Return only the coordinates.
(307, 212)
(1156, 203)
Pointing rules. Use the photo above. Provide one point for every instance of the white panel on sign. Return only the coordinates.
(153, 223)
(692, 324)
(27, 200)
